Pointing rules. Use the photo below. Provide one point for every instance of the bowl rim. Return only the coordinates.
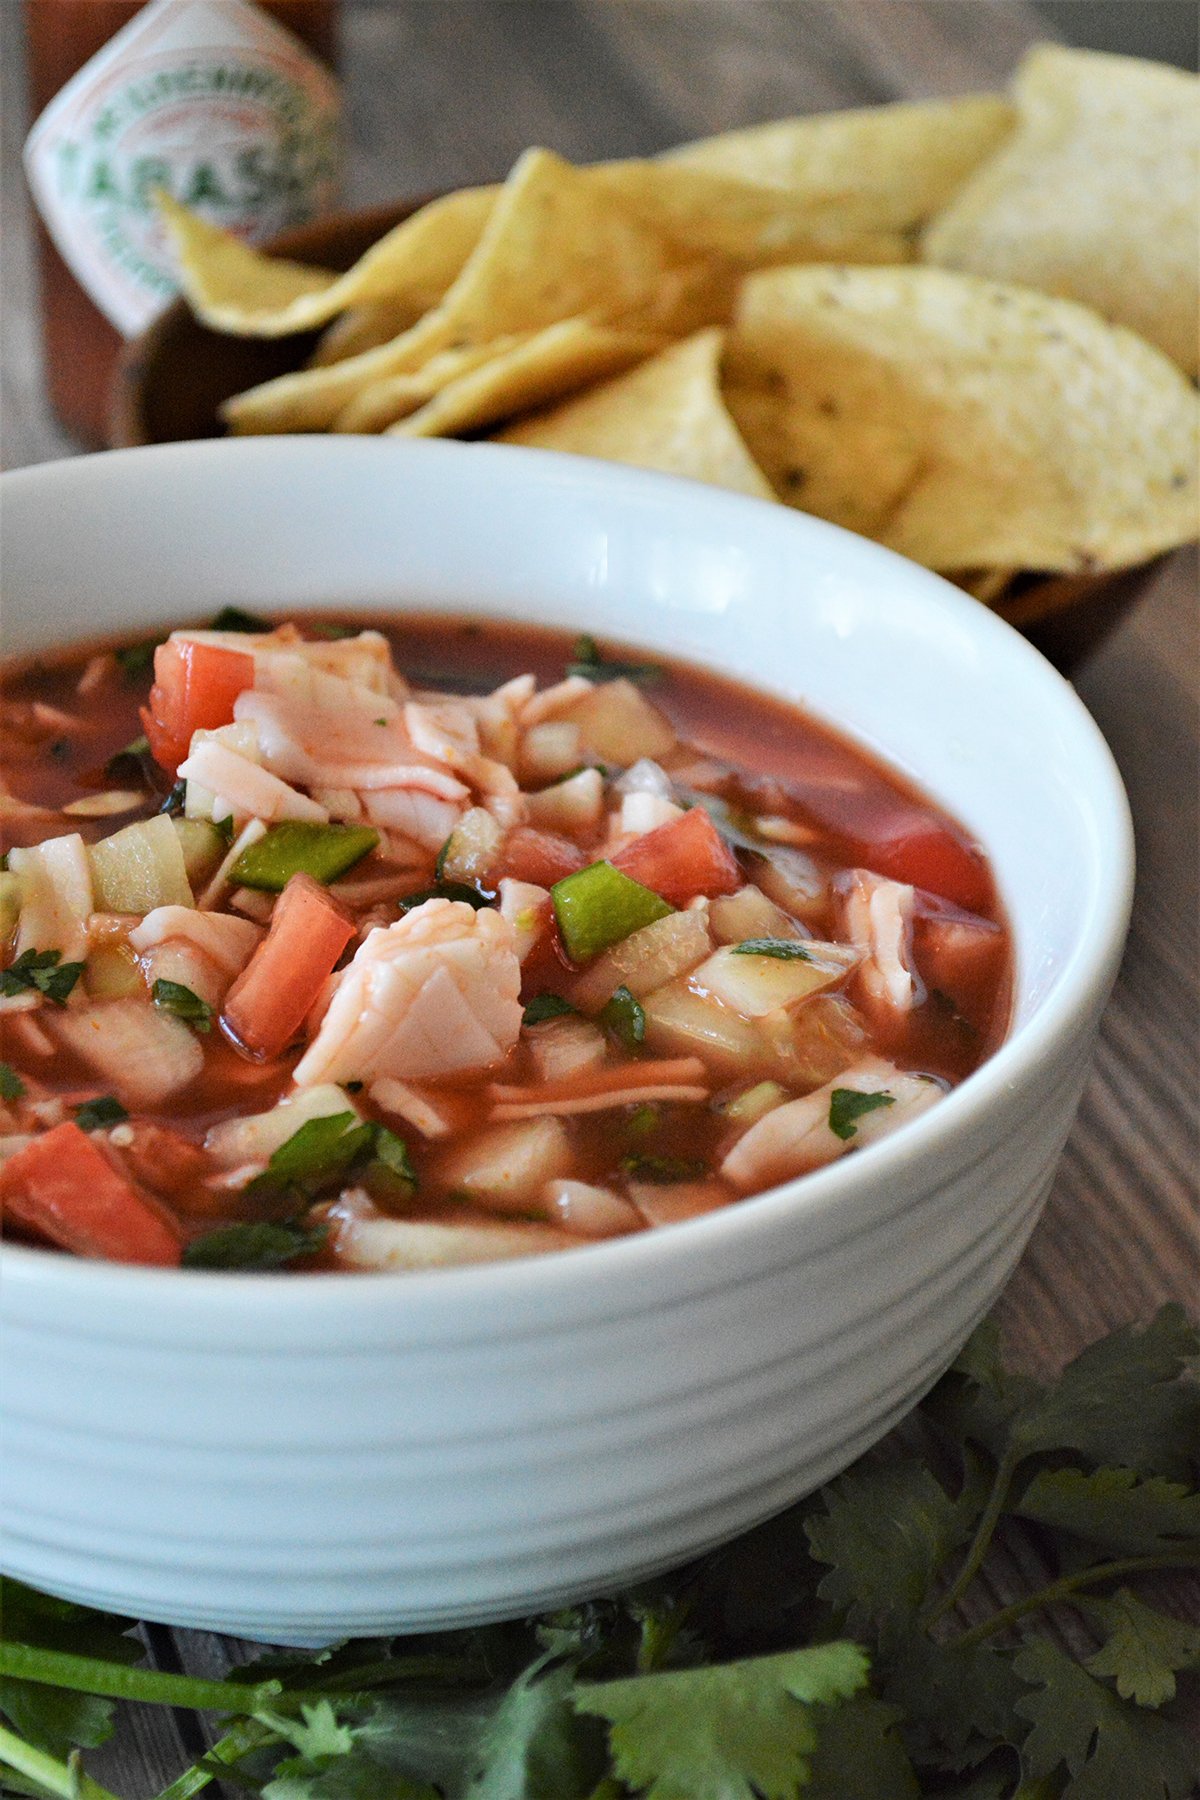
(498, 1289)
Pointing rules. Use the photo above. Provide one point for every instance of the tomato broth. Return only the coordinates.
(376, 943)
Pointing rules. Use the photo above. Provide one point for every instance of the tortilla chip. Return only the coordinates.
(719, 217)
(363, 328)
(966, 424)
(889, 166)
(555, 247)
(667, 414)
(381, 404)
(543, 367)
(1096, 196)
(237, 289)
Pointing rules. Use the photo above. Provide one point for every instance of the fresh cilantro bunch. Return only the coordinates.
(847, 1650)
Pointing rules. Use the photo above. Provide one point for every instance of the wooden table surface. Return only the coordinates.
(445, 92)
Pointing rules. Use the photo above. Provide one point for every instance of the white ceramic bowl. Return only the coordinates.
(301, 1458)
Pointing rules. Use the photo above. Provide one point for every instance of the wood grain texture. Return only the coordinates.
(444, 92)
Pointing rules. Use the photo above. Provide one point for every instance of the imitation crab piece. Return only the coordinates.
(435, 994)
(878, 920)
(807, 1133)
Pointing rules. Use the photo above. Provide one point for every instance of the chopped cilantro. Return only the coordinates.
(105, 1109)
(390, 1176)
(11, 1085)
(257, 1245)
(642, 1120)
(445, 890)
(44, 972)
(174, 998)
(174, 801)
(130, 763)
(786, 949)
(545, 1006)
(134, 660)
(317, 1155)
(232, 618)
(663, 1169)
(847, 1106)
(624, 1017)
(587, 660)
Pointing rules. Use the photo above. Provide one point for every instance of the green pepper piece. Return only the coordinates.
(599, 906)
(298, 848)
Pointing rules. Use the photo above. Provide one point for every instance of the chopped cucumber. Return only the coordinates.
(599, 906)
(203, 846)
(139, 868)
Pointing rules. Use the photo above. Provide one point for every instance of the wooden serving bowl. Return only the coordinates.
(171, 380)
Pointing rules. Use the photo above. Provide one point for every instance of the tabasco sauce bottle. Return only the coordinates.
(231, 105)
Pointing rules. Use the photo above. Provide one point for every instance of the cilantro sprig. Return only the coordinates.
(824, 1656)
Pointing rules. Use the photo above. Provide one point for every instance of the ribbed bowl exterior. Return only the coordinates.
(303, 1459)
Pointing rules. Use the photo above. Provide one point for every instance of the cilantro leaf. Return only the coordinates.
(44, 972)
(174, 998)
(624, 1017)
(11, 1085)
(785, 949)
(1113, 1508)
(859, 1754)
(105, 1109)
(316, 1732)
(1143, 1648)
(52, 1718)
(253, 1245)
(1121, 1402)
(535, 1747)
(959, 1703)
(545, 1006)
(731, 1732)
(885, 1532)
(848, 1105)
(1108, 1747)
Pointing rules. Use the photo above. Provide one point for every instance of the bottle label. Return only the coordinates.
(210, 99)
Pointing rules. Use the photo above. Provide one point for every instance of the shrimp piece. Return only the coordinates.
(203, 950)
(434, 994)
(415, 813)
(554, 700)
(798, 1136)
(877, 917)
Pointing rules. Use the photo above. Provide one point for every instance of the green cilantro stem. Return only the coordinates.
(984, 1532)
(117, 1681)
(56, 1777)
(245, 1736)
(1065, 1586)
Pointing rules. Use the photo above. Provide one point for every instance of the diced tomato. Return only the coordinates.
(935, 859)
(195, 686)
(63, 1187)
(269, 1001)
(682, 859)
(537, 856)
